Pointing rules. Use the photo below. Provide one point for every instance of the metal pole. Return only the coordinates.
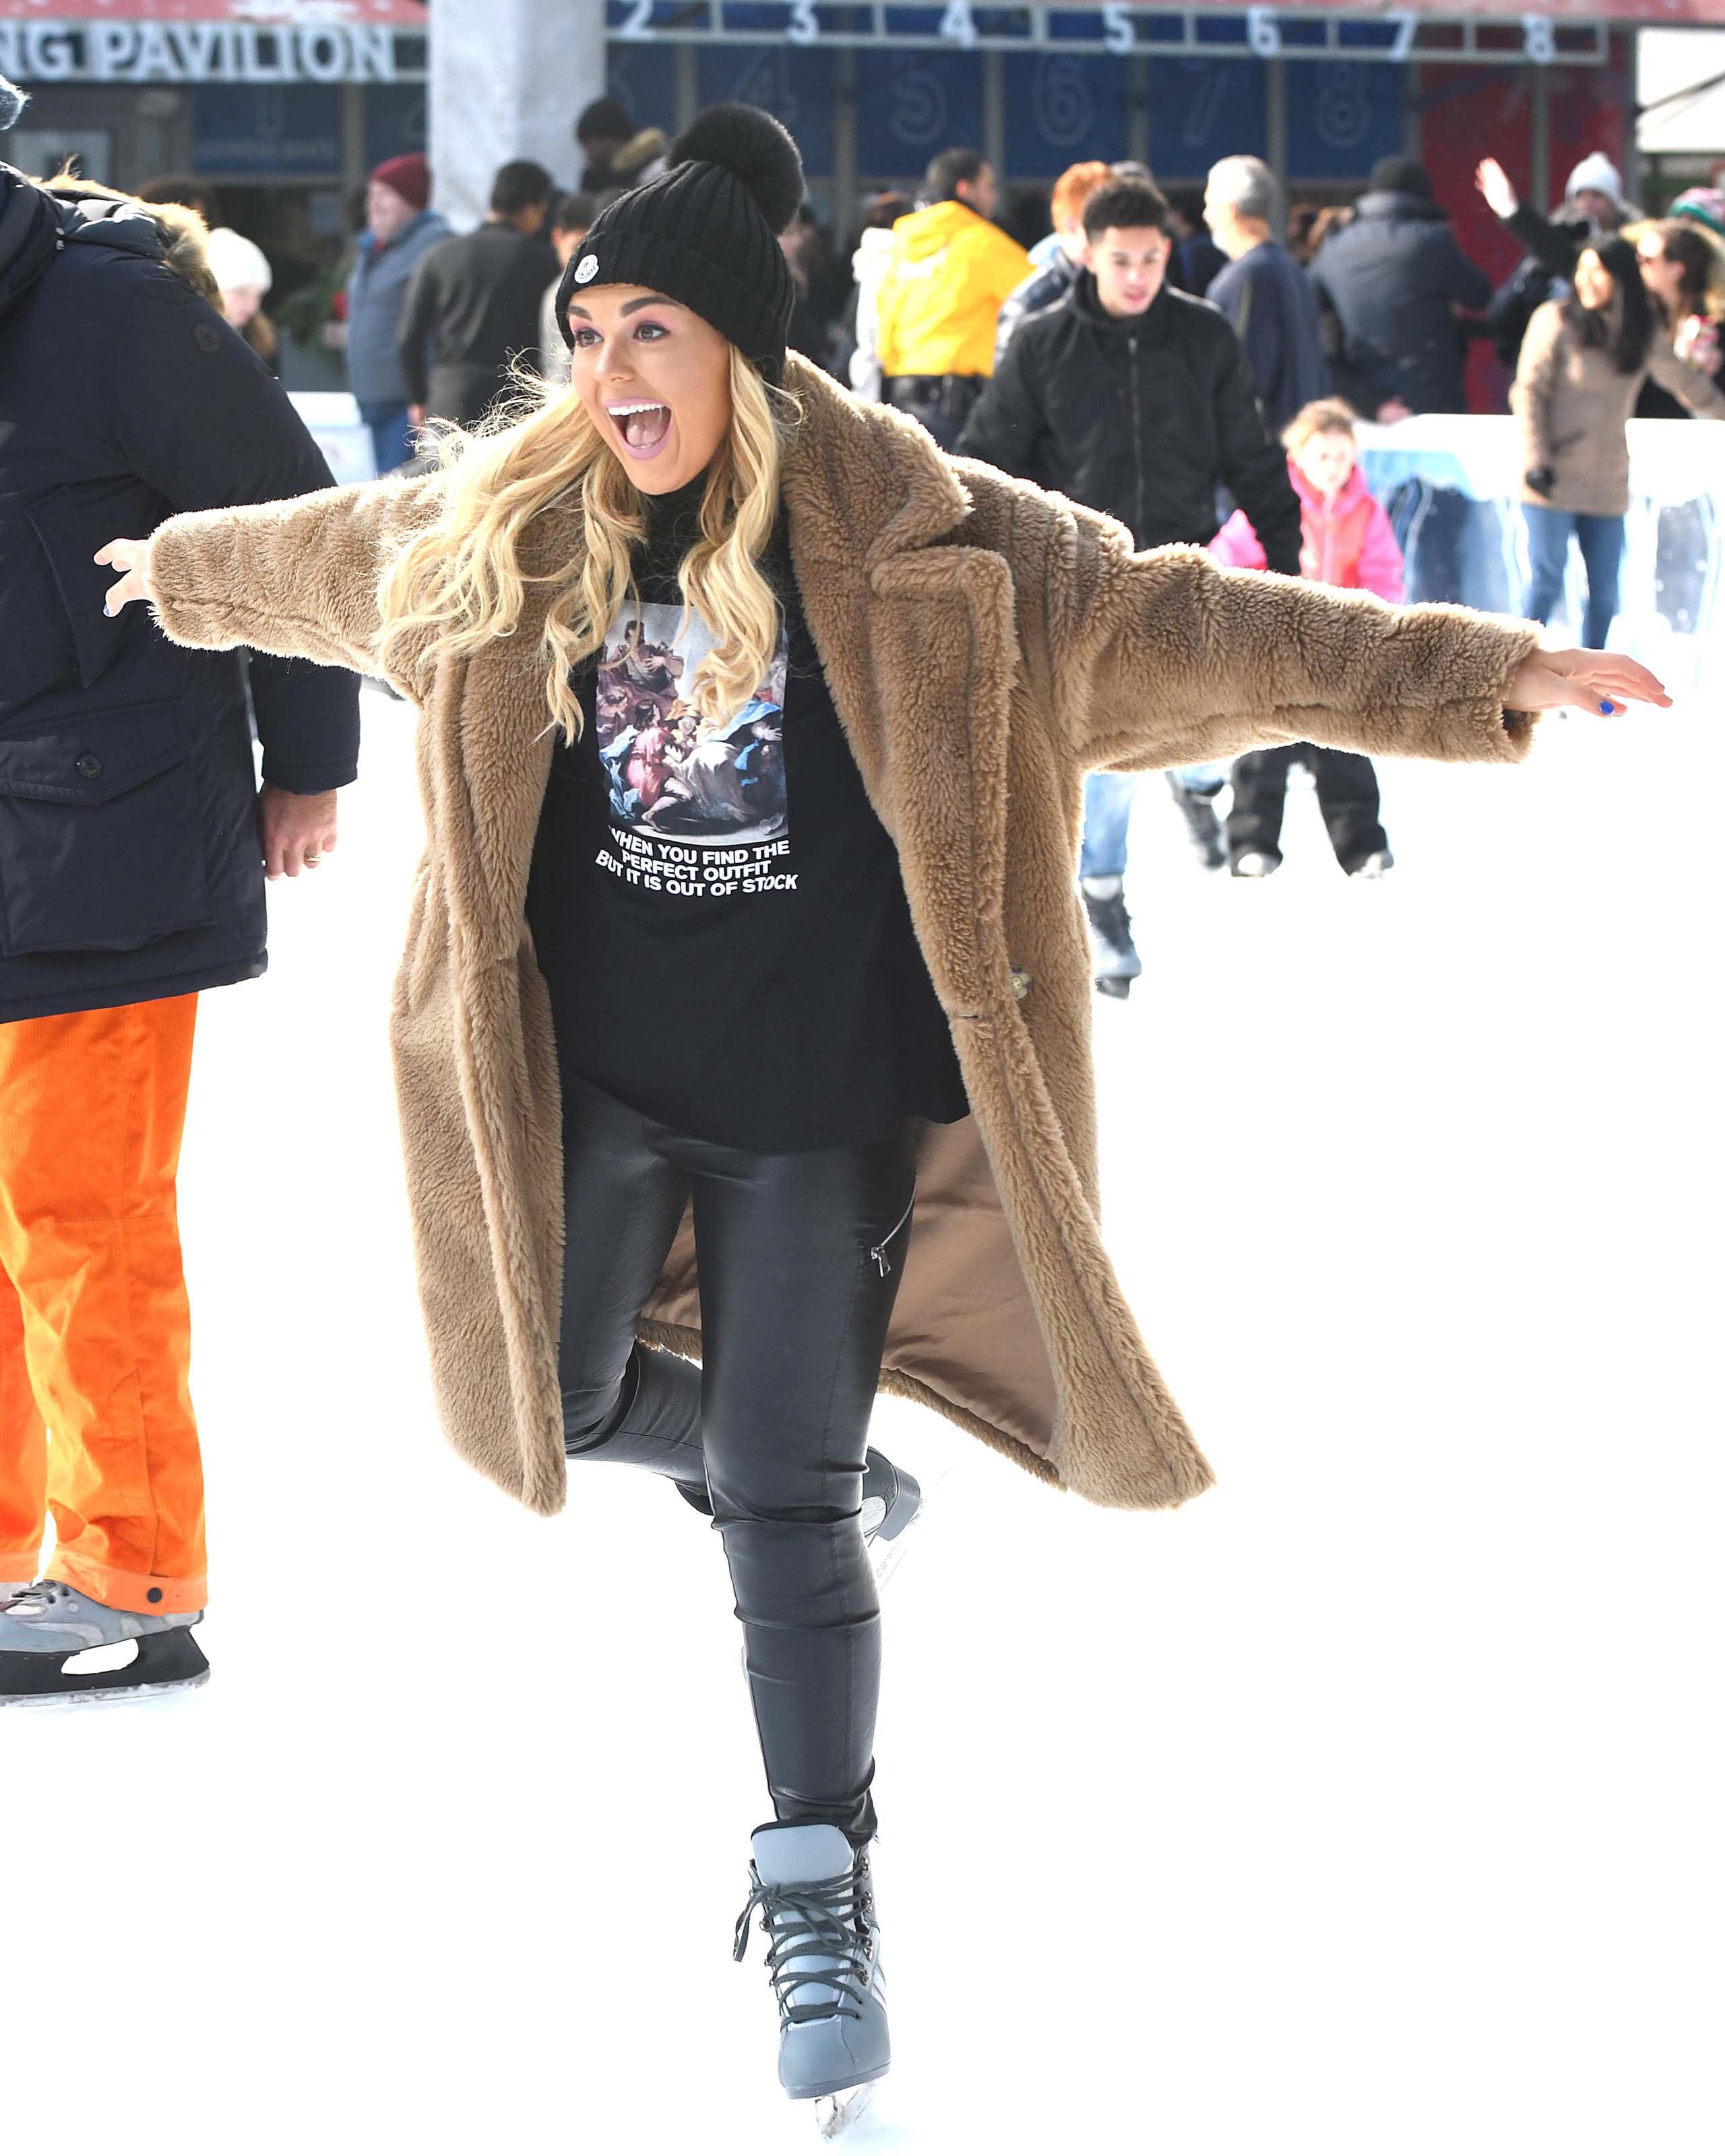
(1137, 109)
(993, 143)
(1539, 139)
(1276, 135)
(845, 199)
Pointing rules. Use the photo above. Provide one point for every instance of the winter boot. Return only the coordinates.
(1203, 824)
(817, 1906)
(50, 1625)
(1375, 865)
(1254, 864)
(1115, 961)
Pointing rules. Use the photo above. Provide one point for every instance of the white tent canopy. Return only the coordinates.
(1671, 62)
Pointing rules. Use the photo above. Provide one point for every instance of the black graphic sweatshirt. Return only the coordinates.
(715, 904)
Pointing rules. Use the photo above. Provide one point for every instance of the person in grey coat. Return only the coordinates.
(400, 229)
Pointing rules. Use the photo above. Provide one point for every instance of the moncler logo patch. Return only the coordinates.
(587, 268)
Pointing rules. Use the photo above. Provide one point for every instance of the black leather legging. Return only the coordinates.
(795, 1308)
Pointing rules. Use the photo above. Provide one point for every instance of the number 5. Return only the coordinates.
(1118, 28)
(804, 27)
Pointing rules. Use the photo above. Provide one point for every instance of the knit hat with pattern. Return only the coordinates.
(706, 233)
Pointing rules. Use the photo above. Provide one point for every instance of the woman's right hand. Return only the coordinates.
(1493, 183)
(133, 556)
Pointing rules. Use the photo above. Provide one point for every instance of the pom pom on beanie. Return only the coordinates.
(706, 233)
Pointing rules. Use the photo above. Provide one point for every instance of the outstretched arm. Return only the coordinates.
(297, 579)
(1164, 658)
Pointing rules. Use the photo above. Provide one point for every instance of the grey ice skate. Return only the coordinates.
(817, 1904)
(1115, 963)
(47, 1626)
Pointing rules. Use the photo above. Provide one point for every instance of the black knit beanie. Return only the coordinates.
(706, 233)
(1399, 176)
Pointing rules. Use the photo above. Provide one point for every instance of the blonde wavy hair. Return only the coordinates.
(464, 581)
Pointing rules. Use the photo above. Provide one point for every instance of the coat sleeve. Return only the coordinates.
(1551, 245)
(1235, 545)
(1380, 570)
(1007, 423)
(296, 578)
(1255, 469)
(1464, 281)
(1163, 658)
(412, 334)
(1530, 393)
(204, 423)
(1690, 385)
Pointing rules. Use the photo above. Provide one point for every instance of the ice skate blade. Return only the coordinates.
(165, 1662)
(836, 2110)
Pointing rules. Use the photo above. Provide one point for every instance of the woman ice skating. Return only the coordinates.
(815, 1108)
(1345, 541)
(1584, 360)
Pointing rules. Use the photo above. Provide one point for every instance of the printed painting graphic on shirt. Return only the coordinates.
(698, 806)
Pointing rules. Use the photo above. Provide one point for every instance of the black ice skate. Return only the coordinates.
(1115, 958)
(817, 1904)
(1203, 824)
(50, 1629)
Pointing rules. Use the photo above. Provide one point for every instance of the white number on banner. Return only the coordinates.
(959, 23)
(1407, 25)
(1263, 31)
(1118, 28)
(1538, 42)
(804, 27)
(639, 21)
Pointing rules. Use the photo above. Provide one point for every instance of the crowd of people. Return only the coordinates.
(1164, 355)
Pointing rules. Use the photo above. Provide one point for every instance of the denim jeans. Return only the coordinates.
(1107, 812)
(388, 425)
(1600, 539)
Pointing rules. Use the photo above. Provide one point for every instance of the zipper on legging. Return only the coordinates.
(878, 1253)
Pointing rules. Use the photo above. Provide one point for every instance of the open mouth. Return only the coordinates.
(643, 425)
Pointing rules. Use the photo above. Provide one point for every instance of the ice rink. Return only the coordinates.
(1367, 1805)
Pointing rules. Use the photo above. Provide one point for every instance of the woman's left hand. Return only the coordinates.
(1589, 680)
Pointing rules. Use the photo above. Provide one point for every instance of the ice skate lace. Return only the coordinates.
(820, 1917)
(42, 1594)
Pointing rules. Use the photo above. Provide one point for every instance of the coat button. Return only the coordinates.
(207, 337)
(88, 766)
(1020, 983)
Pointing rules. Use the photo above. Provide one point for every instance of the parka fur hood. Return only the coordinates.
(986, 644)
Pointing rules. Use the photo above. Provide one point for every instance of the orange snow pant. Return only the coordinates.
(96, 1335)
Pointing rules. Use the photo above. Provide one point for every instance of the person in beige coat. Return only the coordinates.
(1583, 363)
(703, 623)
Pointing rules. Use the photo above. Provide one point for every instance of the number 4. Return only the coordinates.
(959, 23)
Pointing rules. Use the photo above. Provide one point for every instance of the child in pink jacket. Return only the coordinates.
(1346, 540)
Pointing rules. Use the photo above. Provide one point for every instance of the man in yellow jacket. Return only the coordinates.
(939, 297)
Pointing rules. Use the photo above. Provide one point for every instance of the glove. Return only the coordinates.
(1541, 479)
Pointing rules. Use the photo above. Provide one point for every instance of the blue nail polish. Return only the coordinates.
(1607, 707)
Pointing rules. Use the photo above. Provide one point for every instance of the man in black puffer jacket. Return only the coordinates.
(1137, 401)
(133, 845)
(1395, 279)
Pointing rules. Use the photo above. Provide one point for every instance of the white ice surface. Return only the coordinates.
(1367, 1805)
